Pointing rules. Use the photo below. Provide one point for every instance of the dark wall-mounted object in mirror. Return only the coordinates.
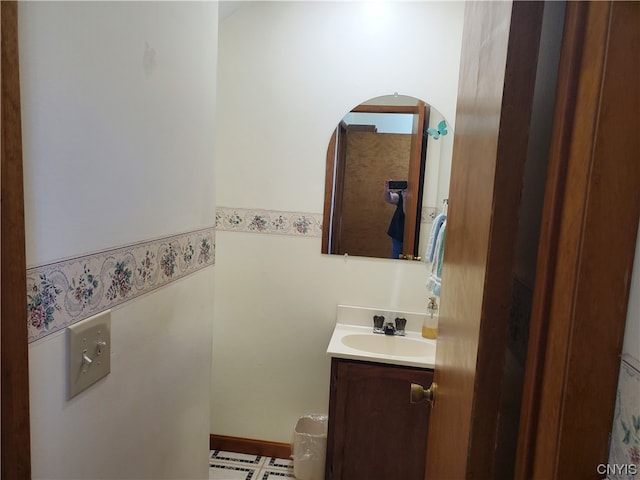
(383, 139)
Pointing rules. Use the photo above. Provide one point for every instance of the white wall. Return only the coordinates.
(118, 102)
(288, 72)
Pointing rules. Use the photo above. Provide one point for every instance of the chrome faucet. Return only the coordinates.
(389, 328)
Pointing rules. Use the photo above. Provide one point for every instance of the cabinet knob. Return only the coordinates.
(419, 394)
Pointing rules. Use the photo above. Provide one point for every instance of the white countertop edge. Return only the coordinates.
(338, 350)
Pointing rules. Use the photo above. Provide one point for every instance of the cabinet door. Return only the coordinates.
(375, 433)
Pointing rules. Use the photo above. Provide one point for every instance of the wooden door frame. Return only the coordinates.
(334, 175)
(417, 163)
(16, 454)
(583, 270)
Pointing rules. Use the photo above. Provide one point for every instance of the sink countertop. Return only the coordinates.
(359, 321)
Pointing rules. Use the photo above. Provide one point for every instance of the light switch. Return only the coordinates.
(88, 352)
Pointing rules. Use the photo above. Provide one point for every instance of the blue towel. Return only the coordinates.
(433, 237)
(434, 283)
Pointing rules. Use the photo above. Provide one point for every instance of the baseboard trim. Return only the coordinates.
(249, 446)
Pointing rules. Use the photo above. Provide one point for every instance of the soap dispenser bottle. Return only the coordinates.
(430, 324)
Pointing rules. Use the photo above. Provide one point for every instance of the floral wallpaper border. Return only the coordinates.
(625, 434)
(282, 223)
(269, 221)
(63, 293)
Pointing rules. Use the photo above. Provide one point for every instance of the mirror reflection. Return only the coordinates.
(387, 176)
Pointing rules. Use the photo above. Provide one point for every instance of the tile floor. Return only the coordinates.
(240, 466)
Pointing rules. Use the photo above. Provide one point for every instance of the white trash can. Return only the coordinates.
(309, 447)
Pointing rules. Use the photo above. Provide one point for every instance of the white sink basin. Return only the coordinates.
(388, 345)
(353, 339)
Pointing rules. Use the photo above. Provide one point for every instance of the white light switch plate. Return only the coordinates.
(88, 352)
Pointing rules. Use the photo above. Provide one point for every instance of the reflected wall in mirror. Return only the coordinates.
(393, 137)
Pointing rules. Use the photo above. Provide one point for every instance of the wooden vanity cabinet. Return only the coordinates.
(374, 432)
